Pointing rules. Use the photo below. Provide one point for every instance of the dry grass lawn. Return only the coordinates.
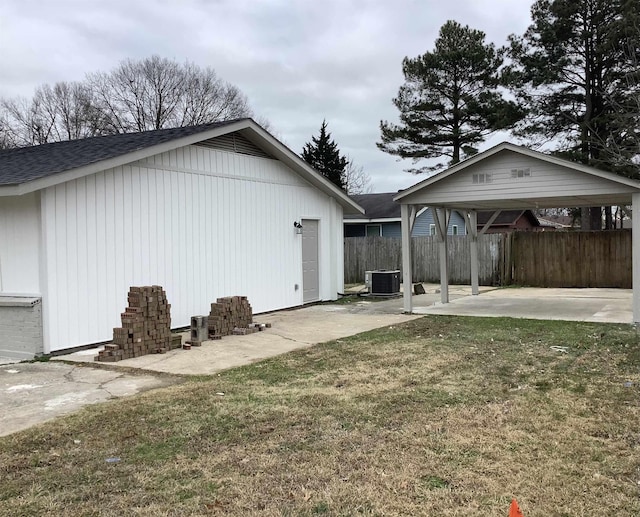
(439, 416)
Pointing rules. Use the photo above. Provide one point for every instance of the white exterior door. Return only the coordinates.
(310, 275)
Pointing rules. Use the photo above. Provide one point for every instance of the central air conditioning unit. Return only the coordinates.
(382, 281)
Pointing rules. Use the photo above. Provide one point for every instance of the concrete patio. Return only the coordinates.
(596, 305)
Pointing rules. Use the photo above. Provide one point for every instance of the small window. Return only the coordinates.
(432, 229)
(521, 173)
(478, 179)
(374, 230)
(454, 229)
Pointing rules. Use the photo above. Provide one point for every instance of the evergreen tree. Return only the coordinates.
(572, 71)
(450, 100)
(322, 153)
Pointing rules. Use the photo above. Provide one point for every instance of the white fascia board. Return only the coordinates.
(520, 150)
(10, 190)
(367, 221)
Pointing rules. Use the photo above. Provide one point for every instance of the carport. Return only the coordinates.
(507, 177)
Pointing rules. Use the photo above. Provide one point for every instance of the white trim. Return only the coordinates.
(44, 273)
(367, 221)
(407, 284)
(366, 229)
(635, 257)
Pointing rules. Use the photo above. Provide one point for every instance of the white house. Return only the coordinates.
(204, 211)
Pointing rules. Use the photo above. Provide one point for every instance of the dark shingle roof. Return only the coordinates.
(506, 217)
(25, 164)
(377, 206)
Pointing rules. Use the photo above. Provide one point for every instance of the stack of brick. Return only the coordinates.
(252, 328)
(146, 326)
(227, 314)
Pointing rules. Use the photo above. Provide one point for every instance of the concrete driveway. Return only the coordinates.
(31, 393)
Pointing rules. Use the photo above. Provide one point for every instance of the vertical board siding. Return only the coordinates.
(200, 222)
(572, 259)
(370, 253)
(20, 245)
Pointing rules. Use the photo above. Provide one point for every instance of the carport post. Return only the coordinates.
(635, 255)
(472, 221)
(407, 284)
(441, 216)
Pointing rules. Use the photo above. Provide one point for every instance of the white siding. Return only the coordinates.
(202, 223)
(545, 179)
(20, 245)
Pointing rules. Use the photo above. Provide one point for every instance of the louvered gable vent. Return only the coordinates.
(234, 143)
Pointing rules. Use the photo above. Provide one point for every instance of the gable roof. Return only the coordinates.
(377, 206)
(27, 169)
(619, 189)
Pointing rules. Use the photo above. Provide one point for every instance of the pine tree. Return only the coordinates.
(322, 153)
(450, 100)
(571, 70)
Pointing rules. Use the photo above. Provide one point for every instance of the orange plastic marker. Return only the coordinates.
(515, 511)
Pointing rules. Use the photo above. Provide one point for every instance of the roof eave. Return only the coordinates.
(363, 220)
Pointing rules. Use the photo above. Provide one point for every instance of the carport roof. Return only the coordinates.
(490, 180)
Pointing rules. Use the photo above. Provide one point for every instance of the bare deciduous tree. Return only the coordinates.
(153, 93)
(356, 181)
(156, 93)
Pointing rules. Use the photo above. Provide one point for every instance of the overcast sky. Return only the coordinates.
(298, 61)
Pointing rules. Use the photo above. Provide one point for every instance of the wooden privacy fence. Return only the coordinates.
(537, 259)
(570, 259)
(369, 253)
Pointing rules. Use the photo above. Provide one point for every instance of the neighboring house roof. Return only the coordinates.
(381, 207)
(558, 222)
(27, 169)
(377, 206)
(506, 217)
